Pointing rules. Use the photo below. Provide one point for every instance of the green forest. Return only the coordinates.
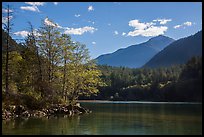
(180, 83)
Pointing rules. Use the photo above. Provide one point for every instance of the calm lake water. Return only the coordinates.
(118, 118)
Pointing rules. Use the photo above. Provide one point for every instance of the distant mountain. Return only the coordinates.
(135, 56)
(178, 52)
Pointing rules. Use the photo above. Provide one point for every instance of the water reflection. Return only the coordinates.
(117, 119)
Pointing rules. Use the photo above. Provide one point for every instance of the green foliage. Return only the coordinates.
(189, 85)
(192, 69)
(175, 83)
(49, 69)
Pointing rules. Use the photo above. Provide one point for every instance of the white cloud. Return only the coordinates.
(116, 32)
(55, 3)
(5, 19)
(22, 33)
(94, 43)
(163, 21)
(50, 23)
(188, 23)
(151, 31)
(137, 25)
(35, 3)
(90, 8)
(154, 31)
(177, 26)
(79, 31)
(123, 34)
(67, 30)
(6, 10)
(31, 8)
(77, 15)
(145, 29)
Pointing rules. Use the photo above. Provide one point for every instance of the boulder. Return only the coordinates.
(19, 110)
(83, 110)
(25, 114)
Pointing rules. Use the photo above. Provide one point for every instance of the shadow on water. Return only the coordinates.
(110, 119)
(41, 126)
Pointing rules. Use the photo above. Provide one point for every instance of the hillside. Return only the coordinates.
(135, 56)
(178, 52)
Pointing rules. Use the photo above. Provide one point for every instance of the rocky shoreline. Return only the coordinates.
(20, 111)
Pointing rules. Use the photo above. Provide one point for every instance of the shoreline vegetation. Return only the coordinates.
(19, 111)
(55, 110)
(45, 74)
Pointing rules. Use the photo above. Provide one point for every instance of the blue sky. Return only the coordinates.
(105, 27)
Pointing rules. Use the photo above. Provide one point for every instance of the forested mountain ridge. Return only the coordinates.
(178, 83)
(178, 52)
(135, 56)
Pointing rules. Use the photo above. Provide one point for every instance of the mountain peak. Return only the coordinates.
(179, 52)
(159, 38)
(135, 56)
(160, 42)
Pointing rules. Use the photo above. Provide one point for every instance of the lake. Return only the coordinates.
(117, 118)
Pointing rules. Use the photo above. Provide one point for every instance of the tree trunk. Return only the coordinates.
(7, 51)
(64, 78)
